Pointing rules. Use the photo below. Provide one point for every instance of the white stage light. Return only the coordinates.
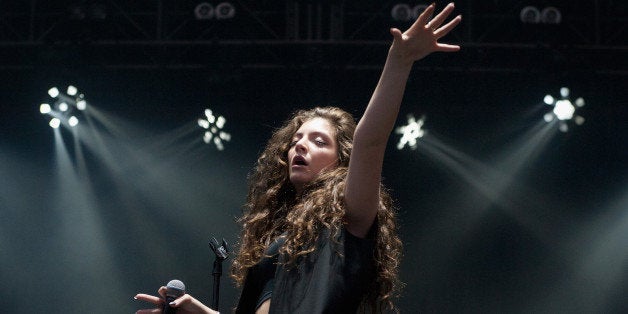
(410, 132)
(203, 123)
(45, 108)
(53, 92)
(207, 137)
(73, 121)
(564, 92)
(220, 122)
(65, 107)
(564, 110)
(54, 123)
(210, 116)
(218, 143)
(81, 104)
(72, 90)
(213, 127)
(224, 136)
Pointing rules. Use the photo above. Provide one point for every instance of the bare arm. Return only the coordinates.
(373, 130)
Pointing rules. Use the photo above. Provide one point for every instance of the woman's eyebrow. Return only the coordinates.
(320, 133)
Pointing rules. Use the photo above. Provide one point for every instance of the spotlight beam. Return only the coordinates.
(491, 182)
(82, 246)
(594, 260)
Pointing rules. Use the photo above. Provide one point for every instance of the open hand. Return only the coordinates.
(422, 37)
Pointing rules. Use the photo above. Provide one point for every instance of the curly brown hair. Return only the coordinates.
(273, 208)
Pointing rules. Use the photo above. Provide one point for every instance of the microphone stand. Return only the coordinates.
(222, 252)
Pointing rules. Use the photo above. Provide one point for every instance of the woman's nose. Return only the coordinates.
(300, 146)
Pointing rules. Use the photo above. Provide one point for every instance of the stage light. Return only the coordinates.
(73, 121)
(81, 104)
(418, 9)
(213, 126)
(530, 15)
(564, 110)
(220, 122)
(401, 12)
(410, 132)
(204, 11)
(72, 90)
(45, 108)
(53, 92)
(224, 10)
(54, 123)
(64, 107)
(551, 15)
(203, 123)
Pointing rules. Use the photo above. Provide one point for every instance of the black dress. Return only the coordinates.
(332, 279)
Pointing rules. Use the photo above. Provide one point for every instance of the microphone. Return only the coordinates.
(174, 289)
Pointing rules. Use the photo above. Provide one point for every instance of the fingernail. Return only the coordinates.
(135, 298)
(173, 303)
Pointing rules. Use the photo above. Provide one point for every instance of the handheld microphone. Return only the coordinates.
(174, 289)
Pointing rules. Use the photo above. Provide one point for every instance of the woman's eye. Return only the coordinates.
(320, 142)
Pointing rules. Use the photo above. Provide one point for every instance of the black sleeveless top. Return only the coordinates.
(332, 279)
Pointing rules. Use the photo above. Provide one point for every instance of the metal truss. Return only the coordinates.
(303, 33)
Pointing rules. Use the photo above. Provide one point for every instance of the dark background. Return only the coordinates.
(495, 215)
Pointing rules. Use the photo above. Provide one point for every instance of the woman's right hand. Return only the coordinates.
(422, 37)
(185, 304)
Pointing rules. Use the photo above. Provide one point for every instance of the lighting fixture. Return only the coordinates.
(213, 129)
(410, 132)
(564, 109)
(204, 11)
(63, 105)
(224, 10)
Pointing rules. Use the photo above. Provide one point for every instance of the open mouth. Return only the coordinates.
(299, 161)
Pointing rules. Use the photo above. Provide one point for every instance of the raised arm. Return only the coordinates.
(375, 126)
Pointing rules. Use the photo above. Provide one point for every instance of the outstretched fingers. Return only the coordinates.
(440, 18)
(439, 30)
(423, 18)
(444, 30)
